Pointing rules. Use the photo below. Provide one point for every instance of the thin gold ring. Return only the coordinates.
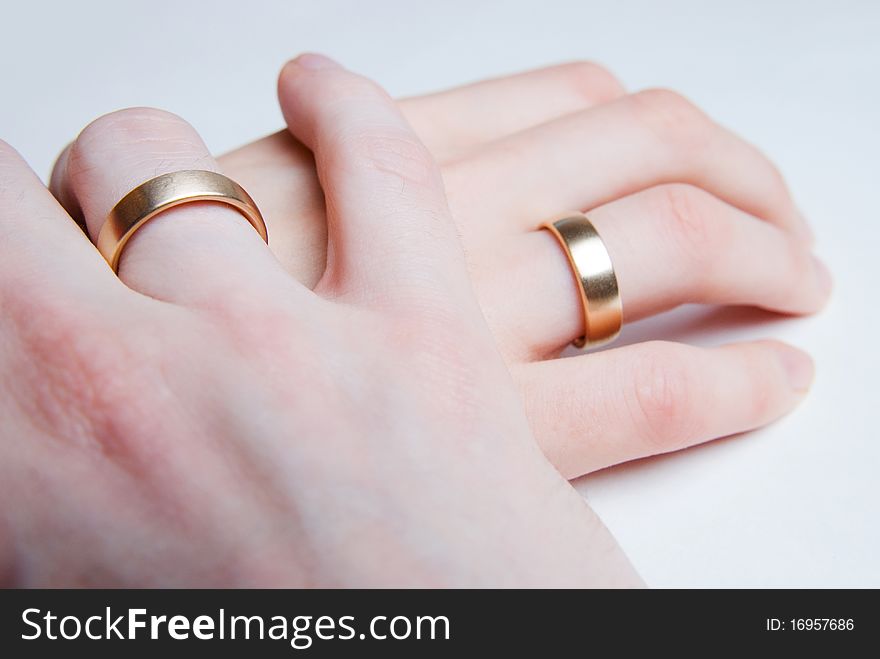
(591, 265)
(159, 194)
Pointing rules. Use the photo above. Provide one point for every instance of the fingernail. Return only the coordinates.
(823, 276)
(315, 62)
(798, 367)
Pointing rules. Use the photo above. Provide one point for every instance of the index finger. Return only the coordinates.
(389, 225)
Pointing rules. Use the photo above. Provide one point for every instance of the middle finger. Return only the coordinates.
(604, 153)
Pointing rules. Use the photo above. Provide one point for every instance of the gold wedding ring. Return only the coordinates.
(159, 194)
(596, 281)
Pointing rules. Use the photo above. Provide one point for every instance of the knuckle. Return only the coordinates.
(140, 136)
(663, 393)
(334, 90)
(343, 86)
(133, 127)
(397, 154)
(674, 118)
(364, 87)
(593, 81)
(354, 142)
(686, 216)
(131, 124)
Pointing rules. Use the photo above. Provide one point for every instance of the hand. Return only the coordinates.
(208, 420)
(689, 212)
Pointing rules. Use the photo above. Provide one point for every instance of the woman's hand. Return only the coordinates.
(689, 212)
(209, 420)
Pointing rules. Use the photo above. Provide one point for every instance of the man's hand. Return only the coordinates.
(209, 420)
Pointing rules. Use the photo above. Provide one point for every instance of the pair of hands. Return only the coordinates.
(388, 415)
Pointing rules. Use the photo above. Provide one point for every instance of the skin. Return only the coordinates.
(210, 420)
(251, 431)
(689, 212)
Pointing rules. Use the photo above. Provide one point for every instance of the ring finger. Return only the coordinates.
(185, 254)
(670, 245)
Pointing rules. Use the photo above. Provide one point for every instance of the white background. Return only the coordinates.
(795, 504)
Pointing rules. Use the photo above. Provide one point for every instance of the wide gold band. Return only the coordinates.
(596, 281)
(167, 191)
